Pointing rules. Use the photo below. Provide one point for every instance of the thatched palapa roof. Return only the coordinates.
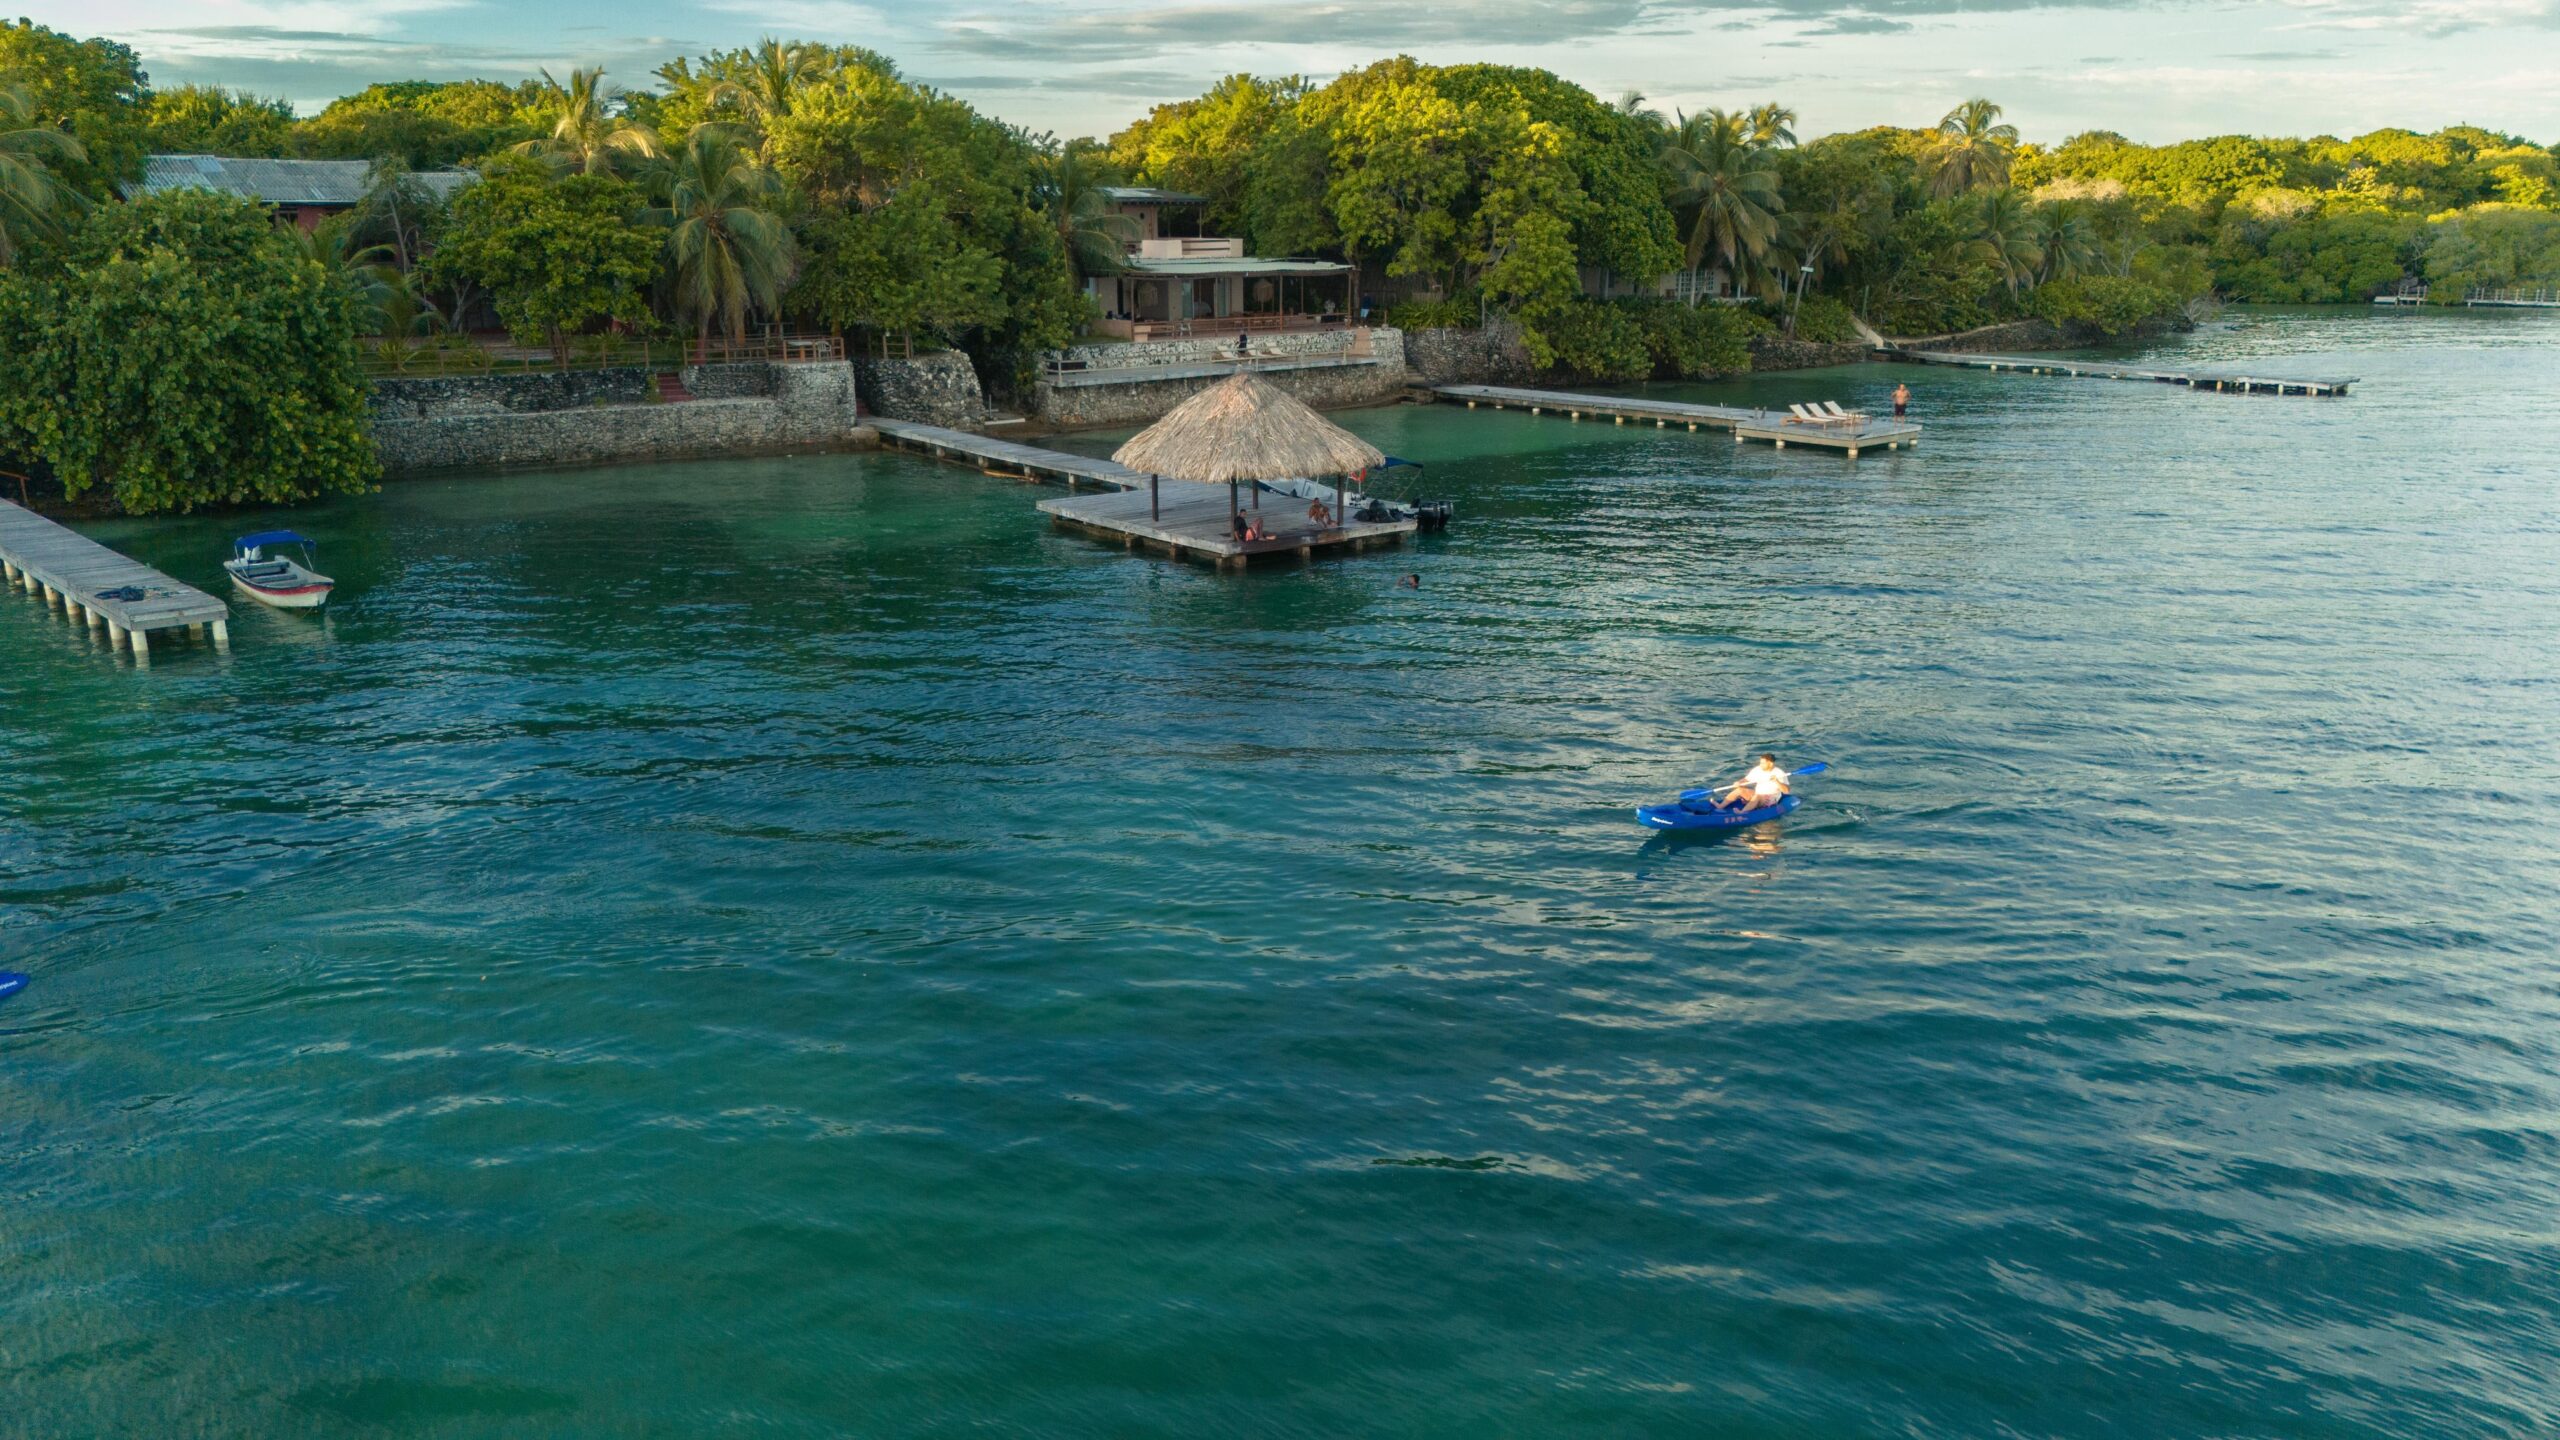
(1244, 428)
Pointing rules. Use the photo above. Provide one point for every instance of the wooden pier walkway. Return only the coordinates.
(1185, 520)
(2246, 382)
(1774, 426)
(83, 579)
(1007, 456)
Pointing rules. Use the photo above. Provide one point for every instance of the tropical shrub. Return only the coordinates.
(1824, 320)
(557, 255)
(2107, 305)
(1598, 341)
(1694, 341)
(183, 352)
(1450, 314)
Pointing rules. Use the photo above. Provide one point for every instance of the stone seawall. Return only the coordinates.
(403, 397)
(1996, 339)
(811, 407)
(1777, 352)
(937, 389)
(1208, 347)
(1493, 355)
(1139, 401)
(415, 397)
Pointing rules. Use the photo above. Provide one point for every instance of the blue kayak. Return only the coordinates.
(1702, 814)
(11, 984)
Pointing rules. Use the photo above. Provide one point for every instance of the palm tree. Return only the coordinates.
(588, 137)
(1632, 104)
(1095, 236)
(1772, 125)
(2069, 241)
(33, 201)
(368, 275)
(778, 72)
(2005, 237)
(1726, 188)
(1971, 149)
(728, 252)
(1834, 223)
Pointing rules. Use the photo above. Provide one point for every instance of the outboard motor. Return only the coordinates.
(1433, 514)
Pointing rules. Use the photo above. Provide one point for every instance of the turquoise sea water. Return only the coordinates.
(797, 948)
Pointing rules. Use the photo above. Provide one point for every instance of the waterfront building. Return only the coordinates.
(301, 192)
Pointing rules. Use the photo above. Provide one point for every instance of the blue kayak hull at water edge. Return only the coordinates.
(11, 984)
(1677, 816)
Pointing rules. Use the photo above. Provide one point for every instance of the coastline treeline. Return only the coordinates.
(815, 185)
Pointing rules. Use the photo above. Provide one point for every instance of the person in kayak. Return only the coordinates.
(1762, 785)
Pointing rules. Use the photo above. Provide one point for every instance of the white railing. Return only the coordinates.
(2545, 295)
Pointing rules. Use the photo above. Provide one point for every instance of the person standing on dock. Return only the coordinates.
(1901, 401)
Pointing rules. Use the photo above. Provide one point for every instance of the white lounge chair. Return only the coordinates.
(1850, 417)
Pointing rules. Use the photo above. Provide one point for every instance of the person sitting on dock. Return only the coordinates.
(1762, 785)
(1237, 527)
(1254, 529)
(1319, 514)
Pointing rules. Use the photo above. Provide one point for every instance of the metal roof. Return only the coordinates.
(1246, 265)
(1144, 195)
(278, 182)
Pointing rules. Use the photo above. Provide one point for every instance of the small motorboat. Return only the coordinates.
(1696, 810)
(275, 579)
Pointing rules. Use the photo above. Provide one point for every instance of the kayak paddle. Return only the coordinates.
(1816, 768)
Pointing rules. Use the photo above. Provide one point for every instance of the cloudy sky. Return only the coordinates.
(2153, 69)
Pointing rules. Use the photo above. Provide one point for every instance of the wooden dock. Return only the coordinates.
(1186, 521)
(1192, 522)
(1776, 427)
(82, 579)
(1007, 457)
(2243, 382)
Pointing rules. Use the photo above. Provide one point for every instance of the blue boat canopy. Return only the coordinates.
(270, 537)
(1393, 462)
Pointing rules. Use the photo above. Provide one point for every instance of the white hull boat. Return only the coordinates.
(275, 580)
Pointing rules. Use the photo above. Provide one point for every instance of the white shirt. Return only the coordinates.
(1767, 781)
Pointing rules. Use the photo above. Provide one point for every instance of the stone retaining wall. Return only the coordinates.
(1996, 339)
(404, 397)
(811, 407)
(1137, 402)
(734, 380)
(1493, 355)
(1209, 347)
(1777, 352)
(937, 389)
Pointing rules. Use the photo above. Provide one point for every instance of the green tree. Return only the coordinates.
(587, 135)
(773, 78)
(897, 270)
(34, 201)
(424, 124)
(1094, 235)
(2066, 239)
(93, 89)
(1972, 151)
(2004, 237)
(1209, 146)
(184, 354)
(1772, 125)
(557, 256)
(1727, 190)
(209, 120)
(728, 253)
(1523, 238)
